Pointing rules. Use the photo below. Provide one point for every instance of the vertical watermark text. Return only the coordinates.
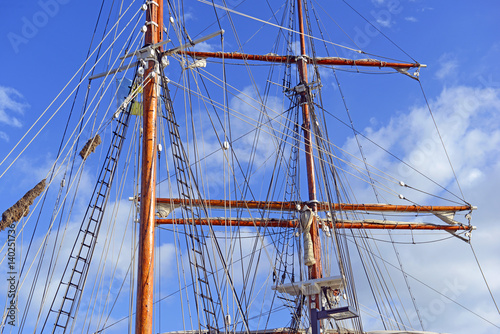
(11, 276)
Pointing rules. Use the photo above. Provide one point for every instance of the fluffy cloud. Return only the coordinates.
(11, 107)
(468, 121)
(448, 65)
(4, 136)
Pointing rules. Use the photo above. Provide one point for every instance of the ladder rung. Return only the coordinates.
(174, 132)
(198, 265)
(64, 312)
(205, 297)
(97, 207)
(208, 311)
(85, 233)
(81, 258)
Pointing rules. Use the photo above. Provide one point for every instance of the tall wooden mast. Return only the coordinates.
(315, 271)
(144, 308)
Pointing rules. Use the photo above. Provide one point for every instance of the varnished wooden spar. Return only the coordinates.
(286, 223)
(315, 270)
(268, 331)
(271, 58)
(322, 206)
(144, 301)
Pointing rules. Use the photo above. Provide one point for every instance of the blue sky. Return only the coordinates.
(43, 43)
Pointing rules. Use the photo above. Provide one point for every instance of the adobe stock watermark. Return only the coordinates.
(489, 82)
(378, 19)
(31, 24)
(382, 16)
(437, 306)
(11, 276)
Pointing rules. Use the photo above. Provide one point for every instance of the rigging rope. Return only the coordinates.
(441, 139)
(57, 96)
(484, 277)
(275, 25)
(438, 292)
(367, 21)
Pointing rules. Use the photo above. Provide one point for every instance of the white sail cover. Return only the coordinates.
(306, 218)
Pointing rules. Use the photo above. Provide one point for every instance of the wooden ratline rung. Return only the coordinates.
(284, 223)
(321, 206)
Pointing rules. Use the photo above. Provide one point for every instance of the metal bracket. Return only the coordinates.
(304, 58)
(196, 41)
(300, 88)
(149, 47)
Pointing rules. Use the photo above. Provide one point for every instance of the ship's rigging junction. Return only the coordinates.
(236, 206)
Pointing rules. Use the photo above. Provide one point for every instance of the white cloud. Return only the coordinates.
(486, 67)
(4, 136)
(411, 19)
(448, 65)
(188, 16)
(11, 106)
(386, 23)
(204, 47)
(424, 9)
(111, 265)
(468, 120)
(253, 147)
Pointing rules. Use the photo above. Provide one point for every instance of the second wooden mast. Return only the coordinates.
(315, 270)
(144, 306)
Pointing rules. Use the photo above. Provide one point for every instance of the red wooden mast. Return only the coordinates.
(144, 306)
